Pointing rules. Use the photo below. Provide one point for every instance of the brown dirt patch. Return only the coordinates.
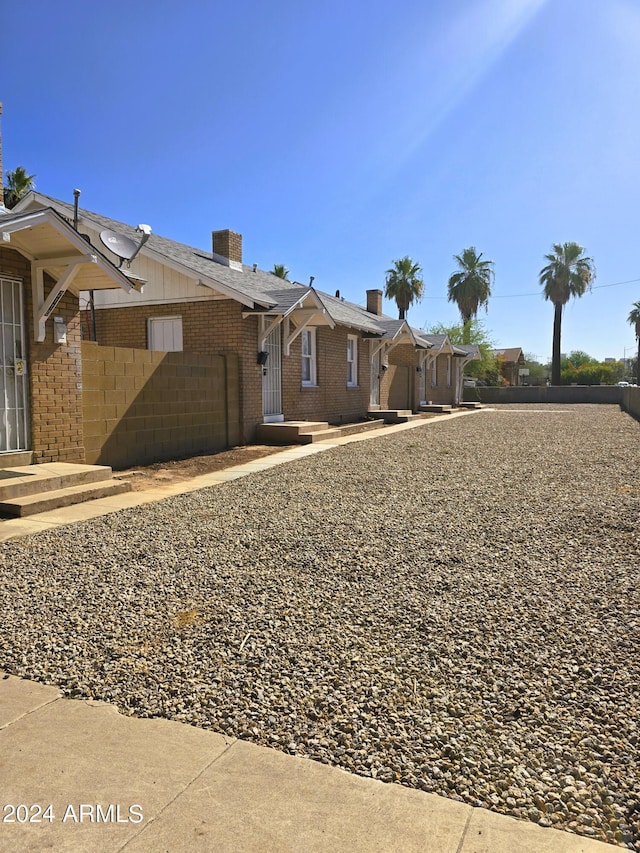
(160, 474)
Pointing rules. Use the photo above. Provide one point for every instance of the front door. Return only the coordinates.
(14, 398)
(272, 377)
(374, 399)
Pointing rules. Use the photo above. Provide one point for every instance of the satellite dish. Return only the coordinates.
(121, 245)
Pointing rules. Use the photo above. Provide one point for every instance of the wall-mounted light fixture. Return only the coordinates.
(418, 369)
(384, 367)
(262, 357)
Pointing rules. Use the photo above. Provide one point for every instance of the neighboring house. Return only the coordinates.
(302, 354)
(510, 360)
(44, 264)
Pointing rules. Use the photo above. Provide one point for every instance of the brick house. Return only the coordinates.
(44, 265)
(302, 354)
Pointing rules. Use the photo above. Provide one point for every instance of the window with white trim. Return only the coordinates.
(448, 371)
(352, 361)
(309, 368)
(434, 373)
(165, 334)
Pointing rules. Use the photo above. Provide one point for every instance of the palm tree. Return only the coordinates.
(404, 284)
(18, 184)
(568, 273)
(281, 271)
(634, 319)
(470, 286)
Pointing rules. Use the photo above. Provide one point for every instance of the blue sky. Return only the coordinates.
(338, 136)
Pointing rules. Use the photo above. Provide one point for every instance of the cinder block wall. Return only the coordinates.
(331, 400)
(210, 327)
(631, 401)
(141, 406)
(54, 372)
(552, 394)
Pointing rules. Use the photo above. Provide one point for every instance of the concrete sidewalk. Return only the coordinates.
(165, 786)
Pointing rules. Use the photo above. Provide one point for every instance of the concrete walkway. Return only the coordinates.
(167, 786)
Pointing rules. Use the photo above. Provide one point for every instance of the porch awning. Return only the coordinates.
(297, 308)
(53, 246)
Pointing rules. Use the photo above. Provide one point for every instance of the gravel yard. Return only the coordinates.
(455, 608)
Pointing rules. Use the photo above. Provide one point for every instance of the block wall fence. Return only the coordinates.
(142, 406)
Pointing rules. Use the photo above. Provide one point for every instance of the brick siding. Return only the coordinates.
(332, 400)
(54, 373)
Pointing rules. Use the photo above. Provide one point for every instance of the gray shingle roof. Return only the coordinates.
(259, 289)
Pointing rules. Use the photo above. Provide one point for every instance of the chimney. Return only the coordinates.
(1, 172)
(374, 302)
(228, 244)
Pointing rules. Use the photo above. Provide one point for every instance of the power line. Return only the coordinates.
(539, 292)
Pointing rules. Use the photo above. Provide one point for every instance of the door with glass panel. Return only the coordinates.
(272, 377)
(14, 398)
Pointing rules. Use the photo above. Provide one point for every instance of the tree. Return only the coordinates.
(568, 273)
(578, 358)
(470, 286)
(634, 319)
(537, 370)
(281, 271)
(18, 184)
(404, 284)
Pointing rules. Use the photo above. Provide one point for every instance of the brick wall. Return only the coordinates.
(141, 406)
(331, 400)
(54, 372)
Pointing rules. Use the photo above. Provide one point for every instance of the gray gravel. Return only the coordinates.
(454, 608)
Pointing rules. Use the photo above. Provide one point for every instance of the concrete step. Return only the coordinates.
(34, 479)
(15, 459)
(438, 408)
(394, 416)
(471, 404)
(33, 504)
(364, 426)
(287, 432)
(318, 435)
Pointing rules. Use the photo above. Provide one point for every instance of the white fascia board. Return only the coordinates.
(81, 244)
(319, 309)
(196, 276)
(47, 216)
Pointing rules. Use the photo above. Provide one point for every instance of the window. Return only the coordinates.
(352, 361)
(165, 334)
(309, 372)
(448, 371)
(434, 372)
